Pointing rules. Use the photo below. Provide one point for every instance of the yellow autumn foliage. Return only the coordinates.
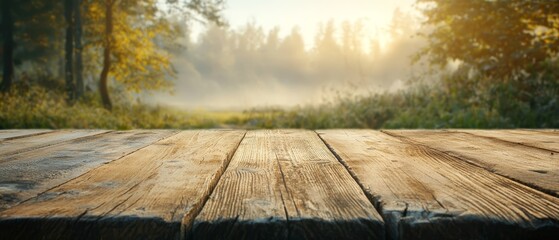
(138, 62)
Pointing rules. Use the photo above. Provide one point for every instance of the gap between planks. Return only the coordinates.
(533, 167)
(413, 197)
(93, 169)
(27, 174)
(130, 198)
(219, 179)
(22, 133)
(31, 142)
(509, 137)
(286, 184)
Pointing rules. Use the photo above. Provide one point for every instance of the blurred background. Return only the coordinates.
(125, 64)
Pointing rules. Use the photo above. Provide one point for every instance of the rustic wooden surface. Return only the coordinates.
(536, 167)
(44, 139)
(13, 134)
(279, 184)
(425, 193)
(149, 192)
(287, 179)
(547, 141)
(27, 174)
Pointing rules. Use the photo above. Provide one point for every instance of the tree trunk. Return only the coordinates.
(69, 50)
(103, 90)
(78, 48)
(8, 48)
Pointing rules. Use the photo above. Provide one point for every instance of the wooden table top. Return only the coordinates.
(279, 184)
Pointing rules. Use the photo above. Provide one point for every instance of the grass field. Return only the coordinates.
(451, 106)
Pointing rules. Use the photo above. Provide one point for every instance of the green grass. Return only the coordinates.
(456, 102)
(40, 108)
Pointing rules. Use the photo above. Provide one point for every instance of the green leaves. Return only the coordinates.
(499, 38)
(141, 34)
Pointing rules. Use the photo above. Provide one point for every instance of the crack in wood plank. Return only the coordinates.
(530, 139)
(463, 200)
(40, 170)
(135, 196)
(21, 133)
(188, 218)
(504, 159)
(48, 139)
(448, 195)
(286, 184)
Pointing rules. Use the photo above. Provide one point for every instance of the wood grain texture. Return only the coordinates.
(27, 174)
(18, 145)
(285, 184)
(538, 139)
(20, 133)
(531, 166)
(145, 195)
(554, 131)
(423, 193)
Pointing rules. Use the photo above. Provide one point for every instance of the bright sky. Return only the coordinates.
(306, 14)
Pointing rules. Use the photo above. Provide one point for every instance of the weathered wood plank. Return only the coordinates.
(286, 184)
(18, 145)
(27, 174)
(426, 194)
(18, 133)
(531, 166)
(538, 139)
(144, 195)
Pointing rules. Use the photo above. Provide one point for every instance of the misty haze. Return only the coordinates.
(224, 68)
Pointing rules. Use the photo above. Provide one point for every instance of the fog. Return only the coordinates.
(225, 68)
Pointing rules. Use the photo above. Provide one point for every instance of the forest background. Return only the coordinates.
(125, 64)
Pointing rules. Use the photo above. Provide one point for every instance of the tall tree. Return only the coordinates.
(78, 48)
(30, 32)
(134, 35)
(8, 46)
(499, 38)
(69, 49)
(107, 45)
